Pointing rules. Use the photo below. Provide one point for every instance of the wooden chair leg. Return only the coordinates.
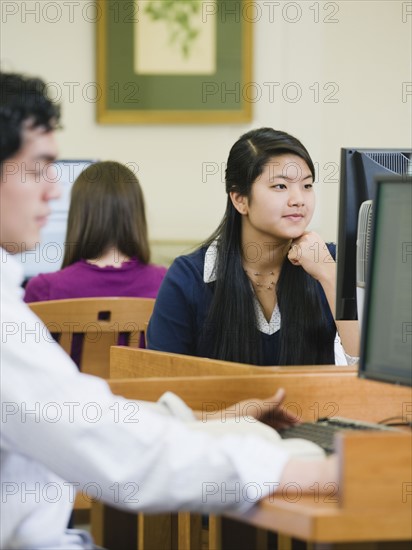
(284, 542)
(215, 533)
(261, 539)
(189, 531)
(113, 529)
(155, 532)
(235, 534)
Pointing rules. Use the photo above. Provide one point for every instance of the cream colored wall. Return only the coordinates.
(364, 56)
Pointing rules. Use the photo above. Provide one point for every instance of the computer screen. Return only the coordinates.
(358, 169)
(386, 349)
(49, 252)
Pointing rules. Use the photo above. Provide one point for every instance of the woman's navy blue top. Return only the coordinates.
(182, 305)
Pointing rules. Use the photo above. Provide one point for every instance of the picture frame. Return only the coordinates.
(173, 62)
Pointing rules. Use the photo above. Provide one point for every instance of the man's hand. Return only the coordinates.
(269, 411)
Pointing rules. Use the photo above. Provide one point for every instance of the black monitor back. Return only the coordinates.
(358, 170)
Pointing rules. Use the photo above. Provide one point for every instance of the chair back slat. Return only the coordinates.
(86, 328)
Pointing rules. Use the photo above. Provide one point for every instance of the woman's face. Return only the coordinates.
(282, 200)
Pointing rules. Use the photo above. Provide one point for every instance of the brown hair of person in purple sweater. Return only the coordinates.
(107, 220)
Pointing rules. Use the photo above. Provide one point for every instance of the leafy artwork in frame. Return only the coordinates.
(173, 61)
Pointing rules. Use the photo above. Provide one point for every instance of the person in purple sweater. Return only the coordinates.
(106, 248)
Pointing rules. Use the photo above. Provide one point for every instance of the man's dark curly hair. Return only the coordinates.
(23, 99)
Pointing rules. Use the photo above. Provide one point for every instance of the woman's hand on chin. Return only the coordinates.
(311, 252)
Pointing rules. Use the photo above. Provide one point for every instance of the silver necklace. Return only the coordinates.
(264, 284)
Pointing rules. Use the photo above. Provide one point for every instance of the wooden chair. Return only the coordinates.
(101, 321)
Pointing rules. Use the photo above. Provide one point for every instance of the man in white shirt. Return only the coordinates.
(61, 430)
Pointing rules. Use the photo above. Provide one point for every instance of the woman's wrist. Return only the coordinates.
(327, 276)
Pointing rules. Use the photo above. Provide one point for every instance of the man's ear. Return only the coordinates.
(240, 202)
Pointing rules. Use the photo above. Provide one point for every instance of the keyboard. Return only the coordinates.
(323, 431)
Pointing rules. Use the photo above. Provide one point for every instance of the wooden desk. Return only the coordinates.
(374, 502)
(127, 362)
(379, 462)
(322, 392)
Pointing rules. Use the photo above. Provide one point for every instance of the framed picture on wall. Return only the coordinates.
(174, 61)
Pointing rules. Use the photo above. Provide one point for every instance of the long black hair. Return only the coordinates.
(307, 334)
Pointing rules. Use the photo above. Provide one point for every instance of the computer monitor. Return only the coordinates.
(386, 344)
(49, 252)
(358, 169)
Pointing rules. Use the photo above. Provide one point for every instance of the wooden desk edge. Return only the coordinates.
(327, 522)
(165, 357)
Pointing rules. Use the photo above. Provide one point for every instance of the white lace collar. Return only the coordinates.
(209, 276)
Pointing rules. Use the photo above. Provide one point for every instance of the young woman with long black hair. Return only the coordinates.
(261, 289)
